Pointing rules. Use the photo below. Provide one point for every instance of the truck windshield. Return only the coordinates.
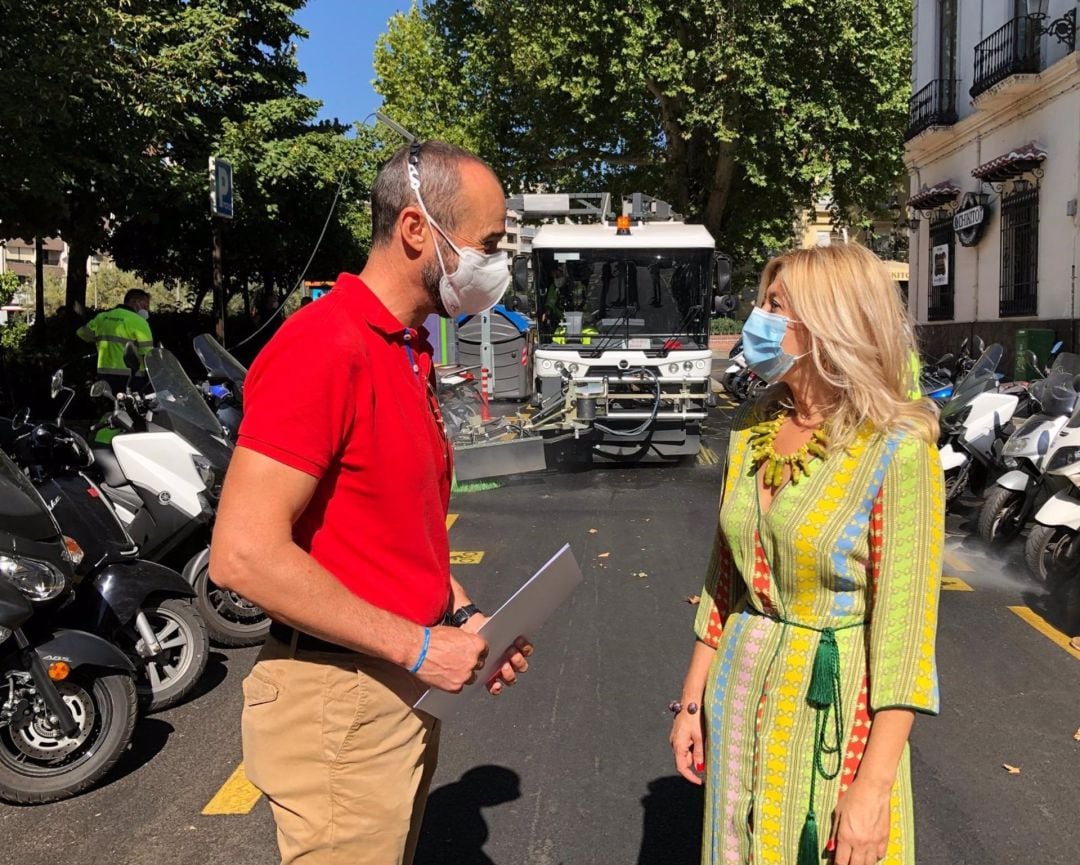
(595, 300)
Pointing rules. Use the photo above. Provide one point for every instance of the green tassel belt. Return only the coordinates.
(824, 697)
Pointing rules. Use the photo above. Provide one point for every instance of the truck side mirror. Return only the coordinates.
(722, 273)
(520, 272)
(725, 304)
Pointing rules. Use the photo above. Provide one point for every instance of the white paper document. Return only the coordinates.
(521, 616)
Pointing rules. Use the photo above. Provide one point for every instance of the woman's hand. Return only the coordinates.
(861, 824)
(688, 743)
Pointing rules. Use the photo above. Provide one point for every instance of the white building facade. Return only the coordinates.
(993, 152)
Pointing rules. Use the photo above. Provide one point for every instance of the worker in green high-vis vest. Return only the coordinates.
(112, 330)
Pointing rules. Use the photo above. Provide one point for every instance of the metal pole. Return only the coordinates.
(487, 358)
(219, 285)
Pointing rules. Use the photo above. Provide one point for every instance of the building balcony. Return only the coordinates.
(1009, 51)
(934, 105)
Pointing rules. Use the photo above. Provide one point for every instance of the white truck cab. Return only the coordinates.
(622, 313)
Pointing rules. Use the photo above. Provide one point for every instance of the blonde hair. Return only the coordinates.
(862, 339)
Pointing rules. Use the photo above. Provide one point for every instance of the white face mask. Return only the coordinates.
(143, 313)
(479, 281)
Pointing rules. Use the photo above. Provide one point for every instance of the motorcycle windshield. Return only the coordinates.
(181, 408)
(24, 516)
(220, 365)
(980, 378)
(1066, 362)
(1056, 394)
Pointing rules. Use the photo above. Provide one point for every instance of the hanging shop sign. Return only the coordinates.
(939, 255)
(970, 219)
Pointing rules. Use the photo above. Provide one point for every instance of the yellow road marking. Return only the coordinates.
(1045, 628)
(955, 562)
(949, 583)
(462, 557)
(236, 796)
(707, 456)
(450, 520)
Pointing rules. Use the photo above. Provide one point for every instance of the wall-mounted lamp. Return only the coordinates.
(1063, 28)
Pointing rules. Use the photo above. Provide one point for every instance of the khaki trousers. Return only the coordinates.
(333, 742)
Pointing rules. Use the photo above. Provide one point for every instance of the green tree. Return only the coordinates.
(736, 111)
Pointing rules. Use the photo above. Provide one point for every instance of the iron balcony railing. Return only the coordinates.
(934, 105)
(1012, 50)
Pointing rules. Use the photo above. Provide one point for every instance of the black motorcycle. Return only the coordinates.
(67, 698)
(144, 608)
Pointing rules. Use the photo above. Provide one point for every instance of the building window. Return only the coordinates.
(1020, 252)
(52, 257)
(942, 270)
(20, 253)
(947, 40)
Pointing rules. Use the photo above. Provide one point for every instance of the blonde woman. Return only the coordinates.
(816, 629)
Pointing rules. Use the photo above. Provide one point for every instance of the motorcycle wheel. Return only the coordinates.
(999, 518)
(39, 764)
(1052, 553)
(231, 621)
(164, 679)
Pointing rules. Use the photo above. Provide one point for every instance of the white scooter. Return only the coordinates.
(162, 474)
(1052, 550)
(1018, 492)
(973, 424)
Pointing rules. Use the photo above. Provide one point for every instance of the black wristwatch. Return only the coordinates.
(462, 614)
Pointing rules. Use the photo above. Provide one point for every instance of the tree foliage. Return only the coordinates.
(112, 109)
(736, 111)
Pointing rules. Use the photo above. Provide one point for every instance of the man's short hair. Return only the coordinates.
(440, 183)
(136, 295)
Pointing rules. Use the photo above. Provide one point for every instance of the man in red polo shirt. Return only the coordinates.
(333, 519)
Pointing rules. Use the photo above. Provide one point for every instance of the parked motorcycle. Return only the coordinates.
(164, 482)
(142, 607)
(1019, 491)
(1052, 549)
(67, 698)
(973, 427)
(224, 387)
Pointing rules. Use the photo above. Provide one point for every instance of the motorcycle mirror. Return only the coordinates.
(100, 388)
(980, 345)
(131, 357)
(946, 359)
(20, 419)
(57, 383)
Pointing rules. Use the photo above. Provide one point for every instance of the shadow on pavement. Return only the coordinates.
(150, 737)
(215, 673)
(455, 831)
(672, 823)
(1060, 606)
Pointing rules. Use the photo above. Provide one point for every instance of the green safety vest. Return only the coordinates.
(112, 330)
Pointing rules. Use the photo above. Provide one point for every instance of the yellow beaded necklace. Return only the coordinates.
(763, 435)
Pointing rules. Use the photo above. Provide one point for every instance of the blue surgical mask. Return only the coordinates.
(762, 336)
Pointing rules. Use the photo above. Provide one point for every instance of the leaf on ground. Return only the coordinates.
(1076, 735)
(593, 531)
(641, 575)
(602, 555)
(693, 600)
(1012, 770)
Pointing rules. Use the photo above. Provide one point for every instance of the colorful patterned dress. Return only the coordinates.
(855, 548)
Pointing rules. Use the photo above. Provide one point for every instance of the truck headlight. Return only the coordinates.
(673, 368)
(39, 581)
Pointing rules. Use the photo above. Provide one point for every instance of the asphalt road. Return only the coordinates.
(572, 766)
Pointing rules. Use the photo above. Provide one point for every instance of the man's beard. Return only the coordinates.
(431, 274)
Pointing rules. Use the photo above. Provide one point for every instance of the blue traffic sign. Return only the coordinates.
(221, 188)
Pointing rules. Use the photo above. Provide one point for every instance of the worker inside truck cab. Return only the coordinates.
(112, 330)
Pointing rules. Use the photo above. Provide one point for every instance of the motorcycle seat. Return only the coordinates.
(106, 461)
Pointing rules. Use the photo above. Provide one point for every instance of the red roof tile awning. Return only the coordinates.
(1012, 164)
(932, 197)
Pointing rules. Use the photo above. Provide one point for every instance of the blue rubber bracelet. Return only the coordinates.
(423, 651)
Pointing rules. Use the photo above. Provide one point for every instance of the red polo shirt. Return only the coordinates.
(344, 392)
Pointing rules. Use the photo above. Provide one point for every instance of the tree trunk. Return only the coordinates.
(720, 191)
(75, 292)
(39, 290)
